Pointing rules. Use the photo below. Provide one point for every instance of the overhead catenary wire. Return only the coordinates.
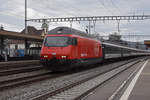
(115, 6)
(78, 13)
(103, 5)
(64, 5)
(73, 8)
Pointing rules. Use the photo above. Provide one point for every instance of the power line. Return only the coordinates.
(103, 4)
(73, 7)
(78, 13)
(115, 6)
(65, 5)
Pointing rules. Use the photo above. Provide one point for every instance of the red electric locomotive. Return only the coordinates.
(64, 48)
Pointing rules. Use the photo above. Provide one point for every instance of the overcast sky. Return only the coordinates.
(12, 14)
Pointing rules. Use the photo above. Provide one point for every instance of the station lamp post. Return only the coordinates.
(26, 30)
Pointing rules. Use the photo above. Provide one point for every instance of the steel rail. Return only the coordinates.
(69, 86)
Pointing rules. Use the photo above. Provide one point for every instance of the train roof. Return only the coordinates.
(71, 31)
(68, 30)
(65, 30)
(125, 47)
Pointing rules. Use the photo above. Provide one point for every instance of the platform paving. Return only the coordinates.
(140, 91)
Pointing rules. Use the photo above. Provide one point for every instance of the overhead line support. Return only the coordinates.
(93, 18)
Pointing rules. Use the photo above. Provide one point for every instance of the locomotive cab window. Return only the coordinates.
(74, 41)
(59, 41)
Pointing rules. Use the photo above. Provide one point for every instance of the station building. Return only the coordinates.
(16, 44)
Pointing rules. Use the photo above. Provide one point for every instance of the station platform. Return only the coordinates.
(137, 89)
(141, 90)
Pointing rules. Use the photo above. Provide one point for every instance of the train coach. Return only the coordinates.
(64, 48)
(117, 51)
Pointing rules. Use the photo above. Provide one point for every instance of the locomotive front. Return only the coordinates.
(58, 51)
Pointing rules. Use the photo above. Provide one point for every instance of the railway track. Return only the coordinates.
(13, 75)
(49, 86)
(11, 71)
(77, 90)
(12, 67)
(23, 79)
(16, 64)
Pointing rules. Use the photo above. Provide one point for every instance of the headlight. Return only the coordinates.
(45, 56)
(63, 56)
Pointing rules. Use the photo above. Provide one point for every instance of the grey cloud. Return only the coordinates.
(13, 10)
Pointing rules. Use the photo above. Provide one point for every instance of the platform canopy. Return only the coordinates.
(20, 36)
